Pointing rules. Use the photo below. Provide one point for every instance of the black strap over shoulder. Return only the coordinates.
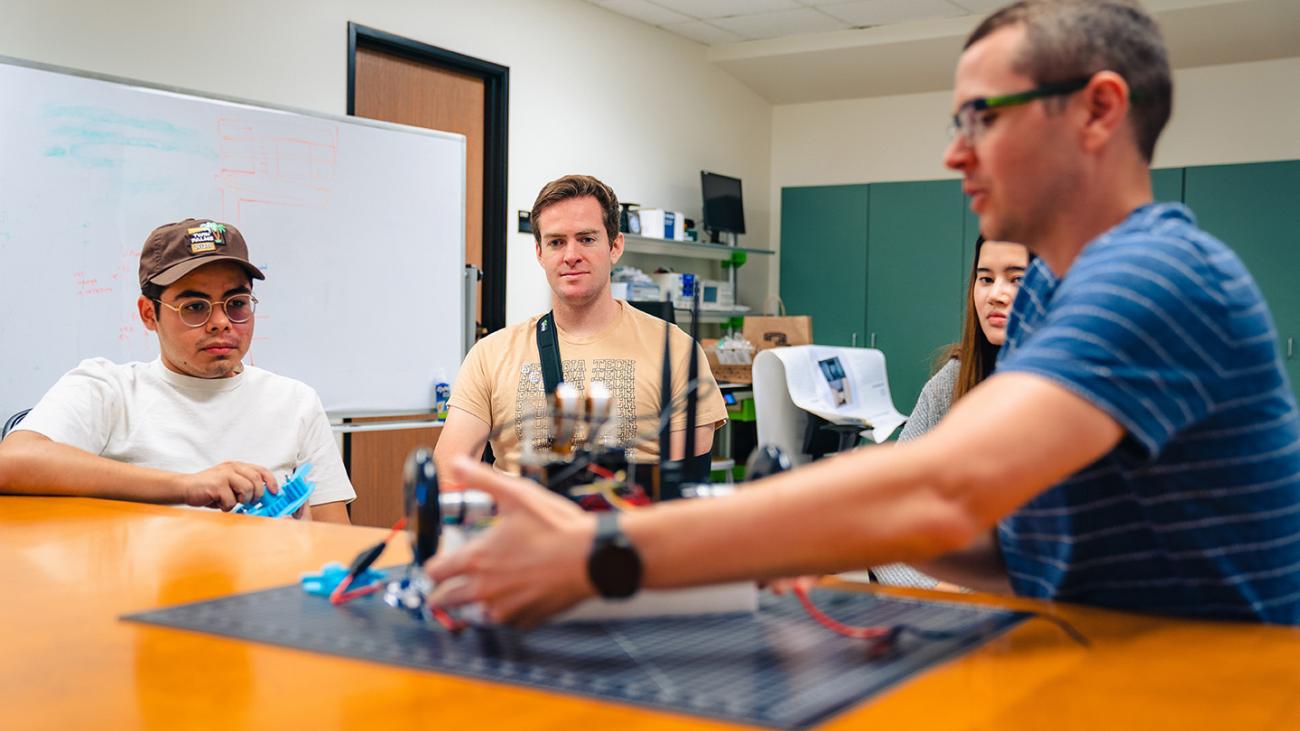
(548, 347)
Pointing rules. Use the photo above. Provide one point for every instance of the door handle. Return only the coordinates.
(873, 340)
(853, 342)
(1290, 347)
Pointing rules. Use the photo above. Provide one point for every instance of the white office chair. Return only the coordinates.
(841, 385)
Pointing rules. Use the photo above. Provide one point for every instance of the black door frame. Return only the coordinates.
(496, 114)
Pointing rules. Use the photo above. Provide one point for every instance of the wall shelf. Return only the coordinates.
(695, 250)
(717, 316)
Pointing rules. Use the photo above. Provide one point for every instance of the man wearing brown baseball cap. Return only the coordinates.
(176, 249)
(196, 426)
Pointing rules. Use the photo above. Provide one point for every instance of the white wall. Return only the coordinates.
(590, 91)
(1246, 112)
(596, 92)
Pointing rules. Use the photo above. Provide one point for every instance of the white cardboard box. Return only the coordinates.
(657, 223)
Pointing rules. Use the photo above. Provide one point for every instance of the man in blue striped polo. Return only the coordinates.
(1137, 447)
(1148, 322)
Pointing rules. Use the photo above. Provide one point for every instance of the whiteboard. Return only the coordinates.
(359, 227)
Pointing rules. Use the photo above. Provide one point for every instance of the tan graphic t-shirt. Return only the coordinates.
(500, 382)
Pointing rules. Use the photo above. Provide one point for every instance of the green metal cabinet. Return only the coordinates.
(824, 259)
(881, 265)
(1167, 185)
(1255, 210)
(970, 231)
(890, 261)
(915, 278)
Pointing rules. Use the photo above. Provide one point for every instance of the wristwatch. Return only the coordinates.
(613, 566)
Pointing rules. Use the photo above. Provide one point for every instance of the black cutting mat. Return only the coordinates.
(776, 668)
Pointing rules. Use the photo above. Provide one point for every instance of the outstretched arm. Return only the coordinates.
(1006, 441)
(33, 464)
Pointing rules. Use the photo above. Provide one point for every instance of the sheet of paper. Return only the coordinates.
(841, 385)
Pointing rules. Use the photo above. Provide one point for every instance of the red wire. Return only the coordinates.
(400, 524)
(600, 471)
(857, 633)
(338, 597)
(450, 623)
(341, 593)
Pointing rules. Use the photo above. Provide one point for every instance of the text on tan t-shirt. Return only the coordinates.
(500, 382)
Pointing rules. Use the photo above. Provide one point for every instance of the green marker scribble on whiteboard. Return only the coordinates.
(98, 137)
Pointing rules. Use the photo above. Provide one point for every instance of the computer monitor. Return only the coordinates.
(723, 207)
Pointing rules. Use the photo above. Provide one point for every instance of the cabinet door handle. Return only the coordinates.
(854, 341)
(1290, 347)
(873, 340)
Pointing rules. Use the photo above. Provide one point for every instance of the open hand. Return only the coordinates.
(532, 562)
(226, 485)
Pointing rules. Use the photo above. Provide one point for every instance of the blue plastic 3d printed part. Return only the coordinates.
(293, 493)
(323, 582)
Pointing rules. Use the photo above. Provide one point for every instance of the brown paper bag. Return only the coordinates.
(776, 331)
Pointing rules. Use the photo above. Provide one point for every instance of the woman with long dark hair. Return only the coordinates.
(994, 281)
(995, 278)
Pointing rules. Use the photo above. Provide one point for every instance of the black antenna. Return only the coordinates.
(670, 474)
(692, 374)
(666, 396)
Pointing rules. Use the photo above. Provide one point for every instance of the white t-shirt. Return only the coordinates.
(145, 414)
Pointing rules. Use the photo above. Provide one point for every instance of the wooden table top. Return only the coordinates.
(71, 567)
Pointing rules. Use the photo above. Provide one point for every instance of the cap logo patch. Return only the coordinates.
(206, 237)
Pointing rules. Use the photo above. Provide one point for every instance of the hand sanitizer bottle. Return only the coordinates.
(441, 395)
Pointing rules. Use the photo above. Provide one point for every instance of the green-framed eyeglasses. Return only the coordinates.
(968, 123)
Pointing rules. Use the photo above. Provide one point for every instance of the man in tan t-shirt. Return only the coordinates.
(601, 339)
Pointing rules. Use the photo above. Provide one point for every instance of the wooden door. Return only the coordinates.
(397, 89)
(394, 88)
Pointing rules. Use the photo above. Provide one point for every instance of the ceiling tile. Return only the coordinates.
(781, 23)
(702, 32)
(724, 8)
(863, 13)
(644, 11)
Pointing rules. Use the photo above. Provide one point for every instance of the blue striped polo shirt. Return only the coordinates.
(1197, 511)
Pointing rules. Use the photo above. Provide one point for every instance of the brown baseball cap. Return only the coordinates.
(176, 249)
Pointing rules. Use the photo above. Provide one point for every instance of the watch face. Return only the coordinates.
(615, 569)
